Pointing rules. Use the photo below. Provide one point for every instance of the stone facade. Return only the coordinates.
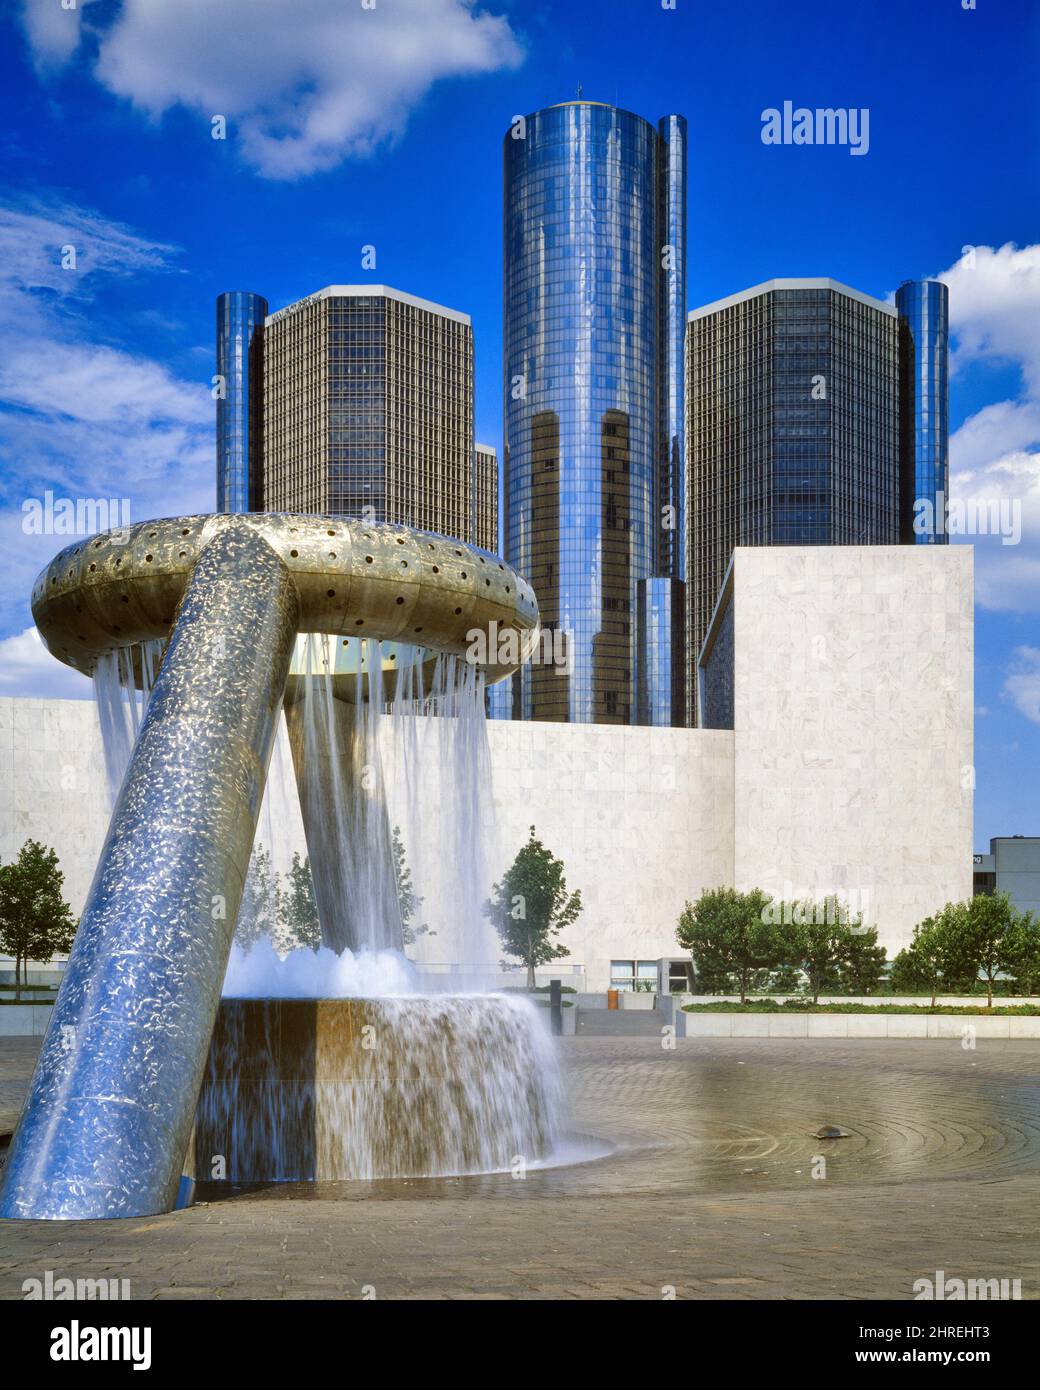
(848, 769)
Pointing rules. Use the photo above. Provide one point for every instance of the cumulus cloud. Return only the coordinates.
(53, 31)
(994, 302)
(28, 669)
(1022, 686)
(995, 454)
(305, 85)
(80, 418)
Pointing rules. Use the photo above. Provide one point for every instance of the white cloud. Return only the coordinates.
(994, 308)
(27, 669)
(995, 454)
(78, 417)
(1022, 686)
(52, 30)
(303, 86)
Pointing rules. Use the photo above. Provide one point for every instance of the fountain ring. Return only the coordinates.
(353, 578)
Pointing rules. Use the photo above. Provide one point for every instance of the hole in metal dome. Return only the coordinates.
(330, 593)
(458, 610)
(400, 600)
(295, 554)
(368, 559)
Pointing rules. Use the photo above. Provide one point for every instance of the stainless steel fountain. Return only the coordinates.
(110, 1108)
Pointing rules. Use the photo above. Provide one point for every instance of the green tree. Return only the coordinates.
(729, 936)
(1027, 957)
(35, 920)
(986, 938)
(862, 967)
(920, 966)
(531, 906)
(298, 910)
(408, 900)
(258, 914)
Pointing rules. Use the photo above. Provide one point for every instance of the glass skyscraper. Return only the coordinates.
(240, 323)
(923, 307)
(594, 317)
(793, 429)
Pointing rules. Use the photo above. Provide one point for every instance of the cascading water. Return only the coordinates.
(377, 1088)
(123, 680)
(403, 1064)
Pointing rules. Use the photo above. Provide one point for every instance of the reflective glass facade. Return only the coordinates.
(240, 325)
(793, 429)
(594, 301)
(924, 352)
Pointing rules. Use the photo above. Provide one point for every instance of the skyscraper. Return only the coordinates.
(923, 307)
(240, 321)
(594, 304)
(368, 409)
(792, 429)
(485, 498)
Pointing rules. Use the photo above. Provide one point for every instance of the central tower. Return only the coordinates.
(594, 318)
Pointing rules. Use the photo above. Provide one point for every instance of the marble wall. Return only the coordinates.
(853, 726)
(848, 769)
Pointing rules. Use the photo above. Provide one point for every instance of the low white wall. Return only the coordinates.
(945, 1026)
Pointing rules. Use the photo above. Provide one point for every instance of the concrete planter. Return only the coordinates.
(25, 1020)
(631, 999)
(569, 1016)
(949, 1027)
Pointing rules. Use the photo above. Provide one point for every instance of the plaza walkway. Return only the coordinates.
(714, 1187)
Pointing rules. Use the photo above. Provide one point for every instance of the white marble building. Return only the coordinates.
(848, 768)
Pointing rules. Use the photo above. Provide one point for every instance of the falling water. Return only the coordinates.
(123, 681)
(377, 1088)
(457, 1080)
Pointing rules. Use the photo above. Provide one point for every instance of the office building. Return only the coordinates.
(485, 498)
(923, 307)
(792, 429)
(363, 406)
(240, 374)
(594, 304)
(1012, 866)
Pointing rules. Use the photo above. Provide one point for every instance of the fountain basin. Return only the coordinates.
(345, 1089)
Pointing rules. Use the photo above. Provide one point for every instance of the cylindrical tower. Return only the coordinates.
(594, 270)
(924, 407)
(240, 420)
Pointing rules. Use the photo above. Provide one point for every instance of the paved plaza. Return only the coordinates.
(706, 1188)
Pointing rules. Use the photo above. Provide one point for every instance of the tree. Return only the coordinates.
(35, 920)
(297, 908)
(531, 906)
(729, 935)
(920, 965)
(258, 914)
(1027, 957)
(862, 968)
(408, 900)
(986, 938)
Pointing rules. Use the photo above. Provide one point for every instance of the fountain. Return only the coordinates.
(394, 1086)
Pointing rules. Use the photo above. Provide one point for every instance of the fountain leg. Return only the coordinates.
(111, 1104)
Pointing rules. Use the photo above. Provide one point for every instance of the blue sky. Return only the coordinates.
(351, 125)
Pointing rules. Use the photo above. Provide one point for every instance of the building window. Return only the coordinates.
(633, 974)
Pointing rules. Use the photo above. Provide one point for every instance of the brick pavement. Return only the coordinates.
(708, 1189)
